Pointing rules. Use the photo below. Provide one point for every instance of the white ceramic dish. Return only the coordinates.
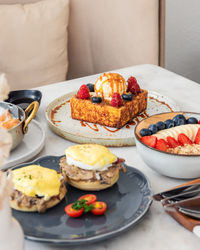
(172, 165)
(58, 115)
(31, 145)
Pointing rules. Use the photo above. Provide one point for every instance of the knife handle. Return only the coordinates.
(186, 221)
(189, 183)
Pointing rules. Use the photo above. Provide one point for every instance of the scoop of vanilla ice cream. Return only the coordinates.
(108, 84)
(4, 87)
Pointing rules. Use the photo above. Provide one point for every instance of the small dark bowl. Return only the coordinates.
(23, 98)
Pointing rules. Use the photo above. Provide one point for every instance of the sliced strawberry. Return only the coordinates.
(197, 138)
(199, 122)
(162, 145)
(172, 142)
(149, 140)
(183, 139)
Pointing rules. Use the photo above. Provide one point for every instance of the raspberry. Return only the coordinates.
(116, 100)
(83, 92)
(133, 86)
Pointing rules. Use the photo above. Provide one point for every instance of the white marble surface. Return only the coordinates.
(157, 230)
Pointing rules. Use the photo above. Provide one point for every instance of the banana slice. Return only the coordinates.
(188, 129)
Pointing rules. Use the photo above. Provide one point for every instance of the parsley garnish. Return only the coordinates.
(82, 204)
(30, 177)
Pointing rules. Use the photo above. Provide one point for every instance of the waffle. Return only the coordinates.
(105, 114)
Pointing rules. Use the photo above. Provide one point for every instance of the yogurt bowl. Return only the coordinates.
(176, 165)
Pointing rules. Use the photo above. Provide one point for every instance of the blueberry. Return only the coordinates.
(153, 128)
(127, 97)
(96, 99)
(192, 120)
(145, 132)
(90, 87)
(179, 120)
(160, 125)
(169, 123)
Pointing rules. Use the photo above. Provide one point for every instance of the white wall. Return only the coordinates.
(183, 37)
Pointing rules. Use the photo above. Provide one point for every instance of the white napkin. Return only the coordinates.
(4, 87)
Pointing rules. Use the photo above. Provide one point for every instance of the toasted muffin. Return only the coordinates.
(90, 167)
(36, 188)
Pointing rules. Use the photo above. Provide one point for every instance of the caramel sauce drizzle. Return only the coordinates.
(84, 124)
(136, 120)
(167, 105)
(146, 114)
(113, 131)
(55, 110)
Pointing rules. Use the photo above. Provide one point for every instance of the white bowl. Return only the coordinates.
(172, 165)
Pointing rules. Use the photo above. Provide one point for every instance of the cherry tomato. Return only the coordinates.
(73, 212)
(90, 198)
(99, 207)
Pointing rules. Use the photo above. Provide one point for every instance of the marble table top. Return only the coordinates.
(157, 230)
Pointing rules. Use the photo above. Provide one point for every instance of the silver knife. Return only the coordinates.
(179, 191)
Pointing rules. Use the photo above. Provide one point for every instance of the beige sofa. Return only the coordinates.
(109, 34)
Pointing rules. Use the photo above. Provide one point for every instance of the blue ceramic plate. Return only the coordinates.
(128, 201)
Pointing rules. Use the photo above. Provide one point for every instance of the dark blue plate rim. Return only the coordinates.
(147, 193)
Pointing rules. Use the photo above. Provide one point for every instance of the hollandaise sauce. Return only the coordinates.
(35, 180)
(90, 157)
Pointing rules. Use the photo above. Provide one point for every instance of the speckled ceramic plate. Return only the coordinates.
(127, 201)
(58, 115)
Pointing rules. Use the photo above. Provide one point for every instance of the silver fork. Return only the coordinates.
(189, 206)
(186, 199)
(190, 212)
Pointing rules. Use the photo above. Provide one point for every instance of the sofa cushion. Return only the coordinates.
(110, 34)
(33, 44)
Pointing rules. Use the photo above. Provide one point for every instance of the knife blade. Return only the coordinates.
(175, 191)
(181, 197)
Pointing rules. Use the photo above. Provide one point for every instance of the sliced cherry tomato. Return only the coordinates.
(90, 198)
(73, 212)
(99, 207)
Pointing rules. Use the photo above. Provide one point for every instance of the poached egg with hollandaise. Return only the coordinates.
(90, 157)
(90, 167)
(36, 186)
(35, 180)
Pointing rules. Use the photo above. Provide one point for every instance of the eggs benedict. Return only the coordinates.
(90, 167)
(36, 188)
